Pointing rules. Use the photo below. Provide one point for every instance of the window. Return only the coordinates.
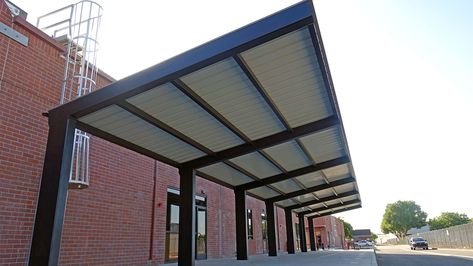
(298, 238)
(250, 224)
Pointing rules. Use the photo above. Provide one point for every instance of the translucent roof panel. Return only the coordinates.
(287, 186)
(287, 68)
(226, 87)
(226, 174)
(174, 108)
(289, 155)
(118, 122)
(256, 164)
(311, 179)
(337, 172)
(325, 145)
(264, 192)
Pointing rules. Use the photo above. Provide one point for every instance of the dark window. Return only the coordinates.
(298, 246)
(250, 224)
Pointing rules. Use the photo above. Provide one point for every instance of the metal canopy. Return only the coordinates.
(254, 109)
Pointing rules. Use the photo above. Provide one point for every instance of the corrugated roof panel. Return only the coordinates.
(337, 172)
(286, 202)
(226, 87)
(324, 193)
(325, 145)
(343, 207)
(315, 206)
(174, 108)
(123, 124)
(311, 179)
(287, 186)
(287, 68)
(345, 188)
(264, 192)
(256, 164)
(354, 197)
(305, 197)
(226, 174)
(289, 155)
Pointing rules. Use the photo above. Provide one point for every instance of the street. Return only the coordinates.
(402, 255)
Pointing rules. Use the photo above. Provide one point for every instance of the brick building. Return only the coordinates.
(127, 216)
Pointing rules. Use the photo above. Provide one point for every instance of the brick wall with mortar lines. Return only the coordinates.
(109, 223)
(29, 78)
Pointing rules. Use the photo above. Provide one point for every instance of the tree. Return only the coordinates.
(347, 228)
(401, 216)
(374, 236)
(447, 219)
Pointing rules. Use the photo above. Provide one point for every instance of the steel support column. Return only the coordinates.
(302, 234)
(271, 229)
(311, 233)
(187, 217)
(241, 226)
(49, 220)
(289, 231)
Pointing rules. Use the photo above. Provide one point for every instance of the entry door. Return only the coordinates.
(264, 231)
(201, 233)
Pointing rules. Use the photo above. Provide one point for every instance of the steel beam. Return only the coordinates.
(295, 173)
(187, 217)
(51, 206)
(337, 205)
(289, 231)
(302, 239)
(241, 226)
(311, 233)
(321, 200)
(271, 229)
(264, 142)
(313, 189)
(334, 212)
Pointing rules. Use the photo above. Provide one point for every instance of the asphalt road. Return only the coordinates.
(403, 256)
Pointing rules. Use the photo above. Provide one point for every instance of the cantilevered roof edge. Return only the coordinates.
(251, 35)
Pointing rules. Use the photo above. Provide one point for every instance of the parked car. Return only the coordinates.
(363, 244)
(418, 242)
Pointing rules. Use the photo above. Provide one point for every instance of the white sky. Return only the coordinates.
(402, 71)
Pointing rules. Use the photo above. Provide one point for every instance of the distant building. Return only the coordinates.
(361, 234)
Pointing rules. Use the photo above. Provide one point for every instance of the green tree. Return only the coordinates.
(447, 219)
(401, 216)
(374, 236)
(347, 228)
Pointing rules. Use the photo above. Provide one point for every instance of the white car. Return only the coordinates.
(363, 244)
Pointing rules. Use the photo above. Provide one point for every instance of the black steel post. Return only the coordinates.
(302, 233)
(311, 233)
(187, 217)
(241, 226)
(49, 220)
(289, 231)
(271, 229)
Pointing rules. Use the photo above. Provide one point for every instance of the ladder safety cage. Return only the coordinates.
(76, 26)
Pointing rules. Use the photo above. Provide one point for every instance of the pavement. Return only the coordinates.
(364, 257)
(403, 255)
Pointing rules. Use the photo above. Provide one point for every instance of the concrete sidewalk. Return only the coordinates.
(327, 258)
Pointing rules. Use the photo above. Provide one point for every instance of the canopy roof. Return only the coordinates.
(254, 109)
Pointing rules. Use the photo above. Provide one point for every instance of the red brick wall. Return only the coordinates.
(112, 221)
(30, 81)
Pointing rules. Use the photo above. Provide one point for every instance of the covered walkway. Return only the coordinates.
(254, 110)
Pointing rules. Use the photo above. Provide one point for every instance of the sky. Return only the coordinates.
(402, 71)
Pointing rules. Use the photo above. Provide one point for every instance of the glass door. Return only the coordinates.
(172, 230)
(264, 231)
(201, 233)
